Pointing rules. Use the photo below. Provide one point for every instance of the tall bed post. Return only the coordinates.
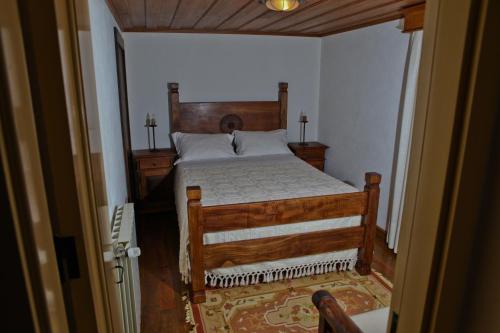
(283, 100)
(195, 220)
(365, 253)
(173, 104)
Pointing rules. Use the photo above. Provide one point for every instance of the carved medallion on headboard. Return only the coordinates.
(230, 123)
(225, 117)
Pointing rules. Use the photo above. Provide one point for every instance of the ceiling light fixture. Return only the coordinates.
(282, 5)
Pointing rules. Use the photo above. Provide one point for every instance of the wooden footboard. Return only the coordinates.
(277, 212)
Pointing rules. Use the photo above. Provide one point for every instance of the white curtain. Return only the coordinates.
(403, 140)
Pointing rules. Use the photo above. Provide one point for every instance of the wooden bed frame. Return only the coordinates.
(223, 117)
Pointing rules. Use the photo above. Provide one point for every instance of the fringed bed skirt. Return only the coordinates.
(247, 278)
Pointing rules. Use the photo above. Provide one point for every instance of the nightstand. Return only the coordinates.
(154, 180)
(312, 152)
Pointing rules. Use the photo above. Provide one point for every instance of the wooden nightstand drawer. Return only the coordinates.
(318, 164)
(153, 163)
(150, 179)
(154, 180)
(155, 172)
(312, 152)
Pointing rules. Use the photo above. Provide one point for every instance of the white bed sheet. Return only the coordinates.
(252, 179)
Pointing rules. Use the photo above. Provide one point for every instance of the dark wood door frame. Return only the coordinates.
(121, 73)
(46, 62)
(13, 286)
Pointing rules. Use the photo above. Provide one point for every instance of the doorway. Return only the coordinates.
(121, 73)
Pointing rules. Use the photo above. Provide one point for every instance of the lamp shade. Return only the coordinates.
(282, 5)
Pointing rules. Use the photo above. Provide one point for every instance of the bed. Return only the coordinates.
(254, 219)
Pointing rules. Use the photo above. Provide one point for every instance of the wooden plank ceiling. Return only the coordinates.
(312, 18)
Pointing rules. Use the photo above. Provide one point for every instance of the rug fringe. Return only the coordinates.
(277, 274)
(188, 309)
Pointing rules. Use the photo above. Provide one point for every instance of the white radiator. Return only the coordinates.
(127, 266)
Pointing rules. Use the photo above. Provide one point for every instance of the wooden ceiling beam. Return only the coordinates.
(334, 14)
(189, 12)
(361, 24)
(222, 32)
(330, 21)
(122, 11)
(220, 12)
(249, 12)
(113, 9)
(313, 18)
(273, 17)
(174, 14)
(253, 19)
(137, 12)
(236, 13)
(391, 10)
(206, 12)
(160, 13)
(414, 17)
(312, 13)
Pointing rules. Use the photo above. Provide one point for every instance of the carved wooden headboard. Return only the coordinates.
(224, 117)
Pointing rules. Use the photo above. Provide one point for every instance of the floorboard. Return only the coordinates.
(384, 259)
(161, 287)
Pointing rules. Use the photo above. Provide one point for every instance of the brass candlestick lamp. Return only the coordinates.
(303, 121)
(151, 124)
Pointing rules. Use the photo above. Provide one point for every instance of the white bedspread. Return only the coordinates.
(251, 179)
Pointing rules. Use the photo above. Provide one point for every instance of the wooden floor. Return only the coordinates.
(161, 288)
(384, 259)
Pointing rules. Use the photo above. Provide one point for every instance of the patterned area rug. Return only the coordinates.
(286, 306)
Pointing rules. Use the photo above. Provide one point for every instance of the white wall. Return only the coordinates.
(219, 68)
(349, 85)
(102, 36)
(361, 84)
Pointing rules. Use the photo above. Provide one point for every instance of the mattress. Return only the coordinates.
(253, 179)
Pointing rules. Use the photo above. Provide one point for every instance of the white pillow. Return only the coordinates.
(195, 147)
(256, 143)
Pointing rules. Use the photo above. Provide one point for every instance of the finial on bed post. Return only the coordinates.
(173, 105)
(173, 87)
(195, 223)
(331, 316)
(365, 253)
(193, 193)
(283, 100)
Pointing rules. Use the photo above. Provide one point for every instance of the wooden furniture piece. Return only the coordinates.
(332, 319)
(414, 18)
(154, 179)
(121, 73)
(224, 117)
(312, 152)
(213, 118)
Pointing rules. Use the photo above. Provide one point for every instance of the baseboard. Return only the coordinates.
(381, 233)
